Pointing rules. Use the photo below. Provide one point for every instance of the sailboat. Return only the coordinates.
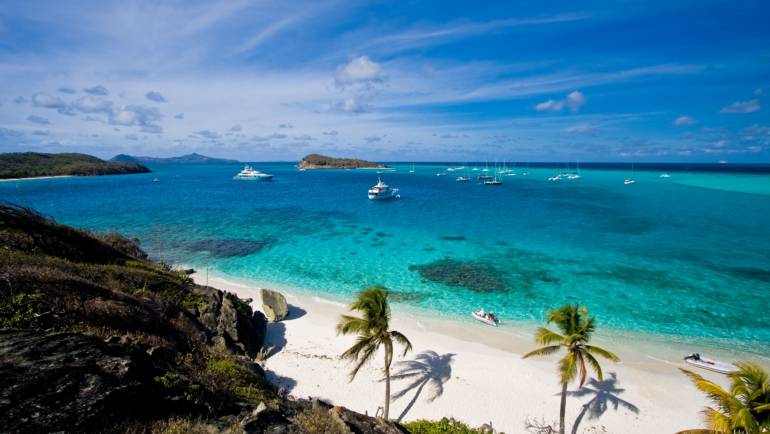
(576, 174)
(630, 180)
(495, 180)
(412, 169)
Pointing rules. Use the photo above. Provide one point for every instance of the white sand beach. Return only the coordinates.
(480, 371)
(35, 177)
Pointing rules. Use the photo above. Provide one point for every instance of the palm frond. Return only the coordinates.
(568, 368)
(602, 352)
(595, 365)
(350, 324)
(544, 351)
(715, 392)
(402, 340)
(545, 336)
(581, 364)
(363, 358)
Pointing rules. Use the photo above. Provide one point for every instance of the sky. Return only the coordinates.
(647, 80)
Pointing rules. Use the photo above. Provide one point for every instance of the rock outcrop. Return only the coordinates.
(51, 381)
(230, 321)
(274, 304)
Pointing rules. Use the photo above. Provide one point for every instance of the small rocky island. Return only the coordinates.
(193, 158)
(316, 161)
(34, 165)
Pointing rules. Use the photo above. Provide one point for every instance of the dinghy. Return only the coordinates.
(695, 359)
(486, 318)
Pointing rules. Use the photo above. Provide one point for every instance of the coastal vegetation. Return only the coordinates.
(576, 328)
(373, 332)
(317, 161)
(97, 338)
(744, 408)
(33, 165)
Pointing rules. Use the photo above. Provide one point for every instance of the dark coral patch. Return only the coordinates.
(476, 276)
(228, 248)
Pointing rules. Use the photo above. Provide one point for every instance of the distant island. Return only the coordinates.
(193, 158)
(316, 161)
(36, 165)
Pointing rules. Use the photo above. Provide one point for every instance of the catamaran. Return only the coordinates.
(382, 191)
(250, 174)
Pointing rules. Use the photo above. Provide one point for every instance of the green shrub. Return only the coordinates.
(443, 426)
(19, 310)
(176, 385)
(320, 420)
(236, 383)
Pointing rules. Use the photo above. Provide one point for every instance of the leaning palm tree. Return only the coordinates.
(373, 332)
(576, 328)
(744, 409)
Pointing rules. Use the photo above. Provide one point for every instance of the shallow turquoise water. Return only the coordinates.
(664, 257)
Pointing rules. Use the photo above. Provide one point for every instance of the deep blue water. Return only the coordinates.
(683, 258)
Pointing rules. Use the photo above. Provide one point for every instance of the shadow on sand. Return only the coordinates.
(284, 384)
(295, 312)
(603, 393)
(427, 369)
(275, 336)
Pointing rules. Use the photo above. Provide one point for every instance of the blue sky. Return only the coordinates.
(412, 81)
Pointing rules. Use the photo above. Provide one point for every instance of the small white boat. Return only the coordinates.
(250, 174)
(462, 179)
(695, 359)
(155, 180)
(382, 191)
(441, 174)
(665, 175)
(487, 318)
(629, 181)
(493, 182)
(484, 177)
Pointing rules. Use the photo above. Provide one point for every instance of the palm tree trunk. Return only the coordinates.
(387, 385)
(563, 408)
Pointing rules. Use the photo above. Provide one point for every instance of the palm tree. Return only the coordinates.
(373, 332)
(744, 409)
(576, 329)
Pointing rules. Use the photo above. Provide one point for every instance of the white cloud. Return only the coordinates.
(97, 90)
(47, 101)
(146, 118)
(155, 96)
(360, 70)
(573, 102)
(286, 126)
(685, 120)
(208, 134)
(38, 120)
(67, 90)
(758, 91)
(330, 133)
(235, 128)
(90, 104)
(741, 107)
(179, 116)
(582, 129)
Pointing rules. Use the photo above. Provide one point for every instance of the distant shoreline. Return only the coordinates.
(35, 177)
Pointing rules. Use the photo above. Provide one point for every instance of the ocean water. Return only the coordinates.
(683, 259)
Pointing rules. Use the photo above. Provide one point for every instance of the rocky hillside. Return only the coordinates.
(316, 161)
(96, 338)
(33, 164)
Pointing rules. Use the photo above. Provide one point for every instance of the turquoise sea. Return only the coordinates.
(682, 259)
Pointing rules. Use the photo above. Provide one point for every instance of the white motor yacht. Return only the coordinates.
(250, 174)
(382, 191)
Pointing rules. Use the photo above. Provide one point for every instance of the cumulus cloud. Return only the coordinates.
(155, 96)
(179, 116)
(47, 101)
(8, 133)
(90, 104)
(330, 133)
(132, 137)
(20, 100)
(758, 91)
(38, 120)
(372, 139)
(207, 134)
(351, 105)
(304, 137)
(146, 118)
(360, 70)
(40, 132)
(66, 90)
(97, 90)
(287, 125)
(573, 102)
(274, 136)
(741, 107)
(235, 128)
(685, 120)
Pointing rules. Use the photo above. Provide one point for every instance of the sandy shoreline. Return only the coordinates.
(35, 177)
(482, 382)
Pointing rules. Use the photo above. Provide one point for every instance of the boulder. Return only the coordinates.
(230, 321)
(274, 304)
